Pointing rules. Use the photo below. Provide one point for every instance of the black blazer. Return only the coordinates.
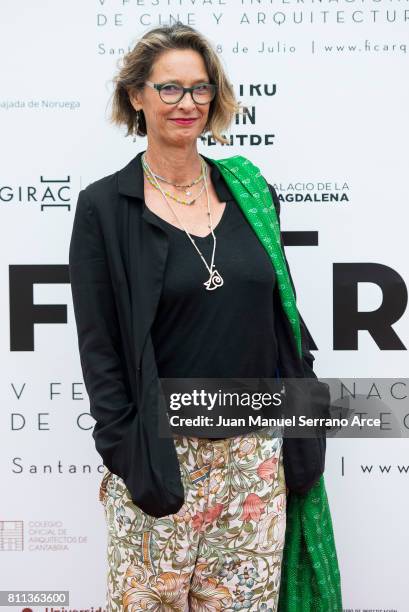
(117, 257)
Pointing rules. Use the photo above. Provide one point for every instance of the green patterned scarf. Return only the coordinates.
(310, 577)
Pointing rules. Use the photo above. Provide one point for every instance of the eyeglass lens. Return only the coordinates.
(201, 94)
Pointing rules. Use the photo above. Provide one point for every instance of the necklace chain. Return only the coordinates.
(181, 201)
(186, 187)
(175, 184)
(215, 280)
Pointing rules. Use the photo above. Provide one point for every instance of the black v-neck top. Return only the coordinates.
(225, 332)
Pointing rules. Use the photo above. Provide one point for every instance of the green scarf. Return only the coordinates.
(310, 577)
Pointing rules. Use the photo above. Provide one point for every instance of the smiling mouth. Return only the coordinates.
(184, 120)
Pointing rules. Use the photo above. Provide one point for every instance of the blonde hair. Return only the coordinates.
(137, 66)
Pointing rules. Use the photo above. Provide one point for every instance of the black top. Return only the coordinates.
(225, 332)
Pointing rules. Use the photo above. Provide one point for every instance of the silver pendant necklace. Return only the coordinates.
(215, 279)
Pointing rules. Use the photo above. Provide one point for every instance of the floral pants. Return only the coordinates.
(222, 550)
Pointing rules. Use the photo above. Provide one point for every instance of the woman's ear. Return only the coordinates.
(135, 99)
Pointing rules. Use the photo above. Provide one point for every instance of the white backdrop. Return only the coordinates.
(333, 140)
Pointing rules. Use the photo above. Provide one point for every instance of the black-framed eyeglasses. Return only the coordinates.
(170, 93)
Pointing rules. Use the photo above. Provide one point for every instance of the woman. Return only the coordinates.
(169, 280)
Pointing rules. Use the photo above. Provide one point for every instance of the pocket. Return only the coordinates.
(103, 487)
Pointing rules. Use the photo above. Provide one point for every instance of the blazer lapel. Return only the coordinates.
(148, 250)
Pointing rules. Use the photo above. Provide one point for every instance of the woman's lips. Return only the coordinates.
(183, 121)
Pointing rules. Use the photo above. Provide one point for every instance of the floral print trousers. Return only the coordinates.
(222, 550)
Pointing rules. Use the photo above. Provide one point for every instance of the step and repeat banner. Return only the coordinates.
(326, 88)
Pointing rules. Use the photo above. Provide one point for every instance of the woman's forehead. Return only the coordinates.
(177, 64)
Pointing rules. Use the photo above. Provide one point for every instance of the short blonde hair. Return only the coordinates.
(137, 66)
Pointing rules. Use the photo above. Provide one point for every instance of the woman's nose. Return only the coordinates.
(187, 101)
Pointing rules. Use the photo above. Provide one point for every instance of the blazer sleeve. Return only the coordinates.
(98, 332)
(306, 338)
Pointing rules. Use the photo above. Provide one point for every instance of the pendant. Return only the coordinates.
(188, 193)
(215, 281)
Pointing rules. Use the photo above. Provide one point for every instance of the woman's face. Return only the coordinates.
(187, 68)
